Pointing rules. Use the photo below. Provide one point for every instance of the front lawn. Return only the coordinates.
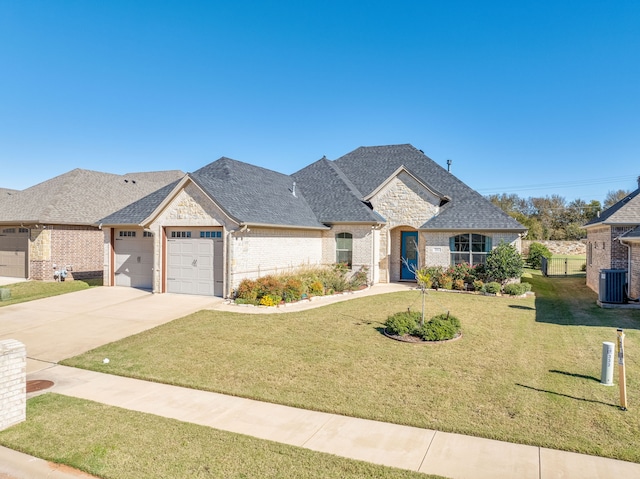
(525, 370)
(115, 443)
(32, 290)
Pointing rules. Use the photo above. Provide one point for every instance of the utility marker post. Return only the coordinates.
(621, 370)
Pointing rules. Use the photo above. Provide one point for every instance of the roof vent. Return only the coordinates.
(449, 165)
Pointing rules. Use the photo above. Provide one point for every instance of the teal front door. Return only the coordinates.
(409, 254)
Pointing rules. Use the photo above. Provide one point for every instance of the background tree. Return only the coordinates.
(614, 196)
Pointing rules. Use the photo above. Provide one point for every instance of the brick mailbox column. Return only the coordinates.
(13, 383)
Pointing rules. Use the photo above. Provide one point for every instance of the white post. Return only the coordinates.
(13, 383)
(606, 374)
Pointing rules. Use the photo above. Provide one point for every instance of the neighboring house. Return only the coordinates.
(613, 242)
(53, 226)
(385, 209)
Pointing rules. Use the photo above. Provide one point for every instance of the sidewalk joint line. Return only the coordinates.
(424, 458)
(304, 444)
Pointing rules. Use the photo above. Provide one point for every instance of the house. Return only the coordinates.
(383, 209)
(613, 242)
(52, 228)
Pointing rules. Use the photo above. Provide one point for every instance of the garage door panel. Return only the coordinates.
(13, 255)
(134, 262)
(192, 266)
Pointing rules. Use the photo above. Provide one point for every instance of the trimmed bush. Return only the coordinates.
(536, 252)
(458, 284)
(478, 285)
(517, 289)
(492, 287)
(446, 281)
(247, 291)
(405, 322)
(440, 328)
(293, 290)
(503, 263)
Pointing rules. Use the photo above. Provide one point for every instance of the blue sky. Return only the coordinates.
(533, 98)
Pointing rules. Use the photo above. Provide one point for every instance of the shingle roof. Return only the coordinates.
(633, 235)
(80, 197)
(368, 167)
(624, 212)
(255, 195)
(4, 192)
(332, 197)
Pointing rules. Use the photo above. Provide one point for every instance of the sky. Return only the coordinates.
(528, 97)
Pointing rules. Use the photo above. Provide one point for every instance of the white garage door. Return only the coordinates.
(134, 259)
(195, 265)
(14, 244)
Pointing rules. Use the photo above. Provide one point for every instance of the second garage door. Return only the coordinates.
(14, 244)
(134, 259)
(194, 265)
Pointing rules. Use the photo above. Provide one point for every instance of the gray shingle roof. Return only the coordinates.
(633, 235)
(624, 212)
(368, 167)
(79, 197)
(332, 197)
(255, 195)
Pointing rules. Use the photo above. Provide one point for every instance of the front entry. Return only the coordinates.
(409, 255)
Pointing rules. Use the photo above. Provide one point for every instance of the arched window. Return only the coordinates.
(469, 248)
(344, 248)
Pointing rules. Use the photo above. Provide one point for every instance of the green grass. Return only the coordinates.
(526, 370)
(32, 290)
(110, 442)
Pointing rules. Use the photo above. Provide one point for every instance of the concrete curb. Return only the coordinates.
(16, 465)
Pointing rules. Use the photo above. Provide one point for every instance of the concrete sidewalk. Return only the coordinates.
(450, 455)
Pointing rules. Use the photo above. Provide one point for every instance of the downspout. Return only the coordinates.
(628, 285)
(229, 259)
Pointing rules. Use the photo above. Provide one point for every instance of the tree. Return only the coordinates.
(614, 196)
(503, 263)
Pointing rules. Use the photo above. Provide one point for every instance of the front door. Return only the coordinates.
(409, 254)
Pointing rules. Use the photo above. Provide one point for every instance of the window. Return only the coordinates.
(148, 234)
(344, 248)
(181, 234)
(23, 230)
(128, 234)
(210, 234)
(469, 248)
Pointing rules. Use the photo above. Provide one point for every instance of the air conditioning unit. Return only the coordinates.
(612, 285)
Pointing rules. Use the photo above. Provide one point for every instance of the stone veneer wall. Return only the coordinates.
(13, 383)
(634, 278)
(558, 247)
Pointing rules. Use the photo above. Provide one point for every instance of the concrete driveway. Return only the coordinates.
(63, 326)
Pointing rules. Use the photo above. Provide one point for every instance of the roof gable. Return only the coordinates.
(624, 212)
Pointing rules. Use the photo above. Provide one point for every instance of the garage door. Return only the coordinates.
(195, 264)
(134, 259)
(14, 244)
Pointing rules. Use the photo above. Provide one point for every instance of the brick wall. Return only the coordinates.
(79, 249)
(364, 238)
(13, 383)
(604, 251)
(437, 253)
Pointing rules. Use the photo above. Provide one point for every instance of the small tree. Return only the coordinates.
(536, 252)
(503, 263)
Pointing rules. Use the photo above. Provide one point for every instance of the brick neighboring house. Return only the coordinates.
(613, 242)
(378, 208)
(53, 226)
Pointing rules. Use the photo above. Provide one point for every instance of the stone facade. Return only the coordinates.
(13, 383)
(406, 205)
(634, 279)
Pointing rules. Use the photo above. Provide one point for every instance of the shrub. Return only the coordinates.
(270, 300)
(440, 328)
(517, 289)
(316, 288)
(478, 285)
(269, 285)
(536, 252)
(293, 290)
(464, 272)
(492, 287)
(405, 322)
(247, 290)
(359, 278)
(424, 278)
(458, 284)
(435, 274)
(503, 262)
(445, 281)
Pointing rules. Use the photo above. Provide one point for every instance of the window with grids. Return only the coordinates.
(210, 234)
(344, 248)
(469, 248)
(181, 234)
(127, 234)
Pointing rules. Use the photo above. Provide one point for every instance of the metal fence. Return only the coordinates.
(564, 266)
